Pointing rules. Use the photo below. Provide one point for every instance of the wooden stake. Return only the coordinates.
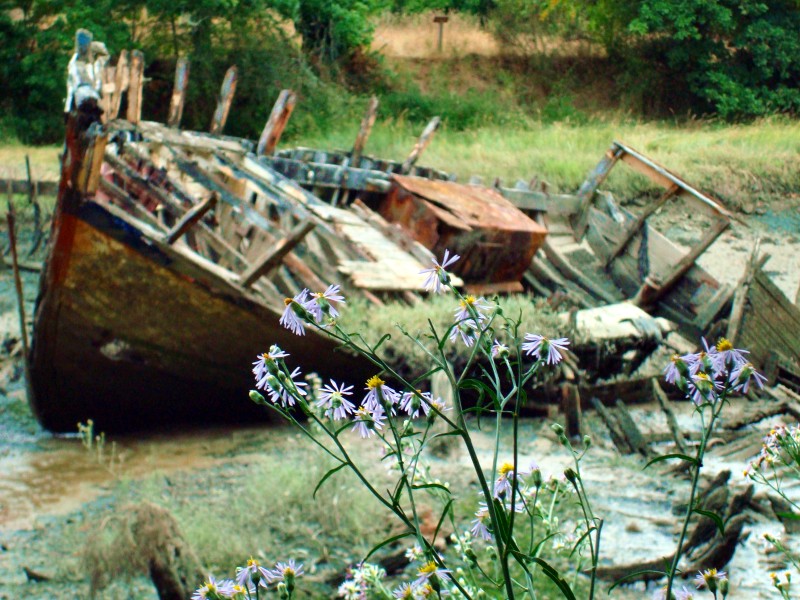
(121, 81)
(275, 255)
(276, 123)
(421, 144)
(588, 188)
(178, 93)
(226, 94)
(363, 132)
(12, 240)
(135, 87)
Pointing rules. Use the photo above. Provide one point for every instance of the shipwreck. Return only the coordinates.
(171, 252)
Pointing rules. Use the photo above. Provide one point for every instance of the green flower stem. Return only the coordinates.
(701, 450)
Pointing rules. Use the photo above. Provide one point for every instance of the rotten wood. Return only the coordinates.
(276, 123)
(275, 255)
(419, 147)
(190, 219)
(631, 431)
(135, 87)
(651, 291)
(617, 436)
(121, 84)
(571, 409)
(741, 294)
(226, 93)
(364, 130)
(23, 327)
(178, 93)
(633, 229)
(589, 187)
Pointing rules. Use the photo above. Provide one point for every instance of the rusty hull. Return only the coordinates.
(130, 333)
(495, 239)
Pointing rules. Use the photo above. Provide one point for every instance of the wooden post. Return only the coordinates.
(190, 219)
(421, 144)
(121, 82)
(12, 240)
(588, 188)
(637, 225)
(276, 123)
(226, 94)
(650, 292)
(740, 296)
(363, 132)
(672, 422)
(178, 93)
(441, 20)
(571, 409)
(274, 256)
(135, 87)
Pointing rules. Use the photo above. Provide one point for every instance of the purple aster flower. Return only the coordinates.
(466, 329)
(431, 570)
(295, 315)
(437, 278)
(703, 389)
(538, 345)
(727, 357)
(505, 480)
(267, 363)
(741, 377)
(415, 402)
(481, 525)
(213, 589)
(352, 590)
(499, 350)
(332, 399)
(710, 579)
(380, 395)
(287, 388)
(676, 369)
(366, 422)
(406, 591)
(469, 305)
(322, 304)
(283, 571)
(252, 573)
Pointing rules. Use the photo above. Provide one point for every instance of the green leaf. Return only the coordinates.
(555, 577)
(788, 515)
(688, 459)
(624, 578)
(325, 477)
(714, 517)
(580, 539)
(386, 542)
(445, 511)
(423, 486)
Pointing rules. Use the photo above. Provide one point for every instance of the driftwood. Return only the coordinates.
(672, 422)
(632, 433)
(617, 436)
(765, 412)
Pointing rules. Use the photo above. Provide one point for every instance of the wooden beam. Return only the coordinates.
(588, 188)
(178, 93)
(121, 82)
(274, 256)
(276, 123)
(740, 296)
(651, 291)
(627, 236)
(135, 87)
(363, 132)
(422, 143)
(190, 218)
(121, 196)
(226, 94)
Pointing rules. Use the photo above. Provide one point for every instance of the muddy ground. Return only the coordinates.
(54, 493)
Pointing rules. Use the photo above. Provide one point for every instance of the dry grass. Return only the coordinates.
(44, 161)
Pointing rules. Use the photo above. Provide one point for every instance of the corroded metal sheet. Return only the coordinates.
(495, 239)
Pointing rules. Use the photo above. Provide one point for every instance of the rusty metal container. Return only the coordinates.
(495, 239)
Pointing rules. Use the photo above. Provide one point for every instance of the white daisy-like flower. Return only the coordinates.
(366, 421)
(322, 304)
(437, 278)
(296, 315)
(414, 403)
(540, 346)
(380, 395)
(332, 399)
(282, 394)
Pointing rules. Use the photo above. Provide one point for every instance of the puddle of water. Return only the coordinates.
(62, 475)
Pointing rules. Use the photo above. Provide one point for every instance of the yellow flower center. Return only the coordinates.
(252, 562)
(702, 376)
(506, 468)
(287, 301)
(374, 382)
(710, 574)
(467, 301)
(724, 344)
(288, 572)
(428, 568)
(675, 358)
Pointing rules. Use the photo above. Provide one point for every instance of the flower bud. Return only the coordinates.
(587, 441)
(536, 475)
(571, 475)
(283, 591)
(724, 586)
(557, 429)
(256, 397)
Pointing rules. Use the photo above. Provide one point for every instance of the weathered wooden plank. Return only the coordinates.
(118, 194)
(276, 123)
(588, 188)
(178, 92)
(364, 130)
(226, 93)
(135, 87)
(276, 254)
(422, 143)
(741, 294)
(121, 83)
(632, 230)
(532, 200)
(190, 219)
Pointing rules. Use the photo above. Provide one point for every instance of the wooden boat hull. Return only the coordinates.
(131, 333)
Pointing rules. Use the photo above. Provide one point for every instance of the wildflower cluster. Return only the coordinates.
(305, 307)
(250, 579)
(703, 375)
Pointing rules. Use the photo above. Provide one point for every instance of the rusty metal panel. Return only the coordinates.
(495, 239)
